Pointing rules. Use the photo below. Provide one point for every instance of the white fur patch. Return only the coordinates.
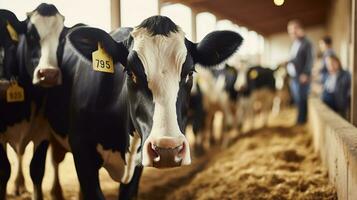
(280, 76)
(49, 29)
(115, 165)
(20, 134)
(112, 162)
(162, 58)
(241, 78)
(131, 158)
(214, 94)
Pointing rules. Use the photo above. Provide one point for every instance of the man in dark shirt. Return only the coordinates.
(299, 68)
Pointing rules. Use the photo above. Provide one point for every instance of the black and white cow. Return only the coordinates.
(8, 66)
(196, 117)
(137, 115)
(256, 87)
(34, 52)
(283, 94)
(213, 92)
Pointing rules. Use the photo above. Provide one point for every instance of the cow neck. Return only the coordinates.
(32, 93)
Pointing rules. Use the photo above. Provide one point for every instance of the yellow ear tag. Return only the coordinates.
(253, 74)
(102, 61)
(12, 32)
(15, 93)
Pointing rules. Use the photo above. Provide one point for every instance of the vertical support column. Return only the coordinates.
(194, 25)
(115, 13)
(354, 64)
(159, 6)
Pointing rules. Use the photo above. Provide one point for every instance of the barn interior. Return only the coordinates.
(273, 160)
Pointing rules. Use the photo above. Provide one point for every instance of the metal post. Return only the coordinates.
(354, 65)
(194, 25)
(115, 14)
(159, 6)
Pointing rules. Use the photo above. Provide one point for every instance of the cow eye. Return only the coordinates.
(133, 77)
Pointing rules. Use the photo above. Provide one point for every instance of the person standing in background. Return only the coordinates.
(336, 93)
(325, 45)
(299, 68)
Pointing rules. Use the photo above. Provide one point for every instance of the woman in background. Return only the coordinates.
(325, 45)
(336, 93)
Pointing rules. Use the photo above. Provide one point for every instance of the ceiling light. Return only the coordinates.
(278, 2)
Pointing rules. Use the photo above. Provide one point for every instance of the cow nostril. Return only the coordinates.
(153, 149)
(180, 153)
(180, 149)
(158, 153)
(40, 73)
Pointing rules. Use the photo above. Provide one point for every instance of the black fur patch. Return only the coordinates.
(45, 9)
(159, 25)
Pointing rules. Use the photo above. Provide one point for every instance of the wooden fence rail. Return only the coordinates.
(336, 141)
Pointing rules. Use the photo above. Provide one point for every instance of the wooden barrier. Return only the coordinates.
(336, 141)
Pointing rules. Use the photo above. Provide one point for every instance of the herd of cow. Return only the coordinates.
(241, 95)
(119, 101)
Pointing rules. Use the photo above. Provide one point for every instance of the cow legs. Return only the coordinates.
(5, 170)
(20, 187)
(37, 169)
(209, 139)
(252, 118)
(198, 124)
(266, 113)
(87, 170)
(224, 132)
(212, 140)
(130, 191)
(240, 114)
(58, 154)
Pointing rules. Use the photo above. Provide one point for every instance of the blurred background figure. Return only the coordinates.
(325, 45)
(299, 68)
(336, 88)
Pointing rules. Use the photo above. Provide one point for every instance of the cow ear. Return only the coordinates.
(216, 47)
(86, 39)
(10, 18)
(10, 26)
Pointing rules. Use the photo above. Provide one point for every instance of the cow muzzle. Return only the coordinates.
(166, 152)
(47, 76)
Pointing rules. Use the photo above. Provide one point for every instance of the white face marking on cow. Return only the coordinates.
(212, 88)
(49, 29)
(115, 165)
(162, 58)
(280, 76)
(241, 78)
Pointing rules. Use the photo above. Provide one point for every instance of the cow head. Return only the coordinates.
(40, 43)
(281, 77)
(159, 62)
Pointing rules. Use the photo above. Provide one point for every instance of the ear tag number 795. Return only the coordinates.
(102, 61)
